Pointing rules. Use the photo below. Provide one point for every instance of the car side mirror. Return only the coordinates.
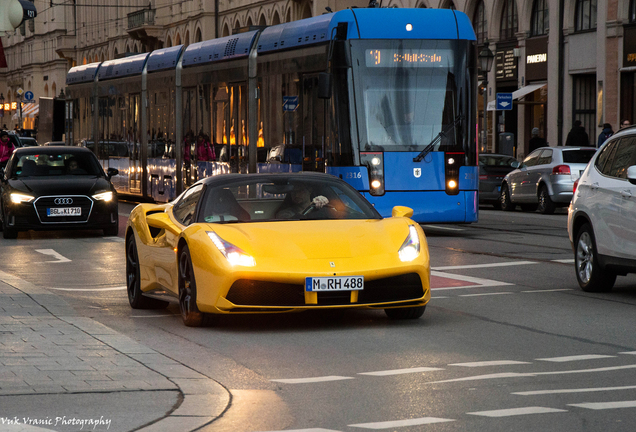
(401, 211)
(631, 174)
(111, 172)
(516, 164)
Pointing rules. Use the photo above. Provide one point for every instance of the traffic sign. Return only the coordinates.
(28, 95)
(290, 103)
(19, 91)
(504, 101)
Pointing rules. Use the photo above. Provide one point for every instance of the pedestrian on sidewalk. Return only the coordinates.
(577, 136)
(6, 149)
(536, 141)
(605, 134)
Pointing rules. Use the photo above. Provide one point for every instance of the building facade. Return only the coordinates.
(562, 60)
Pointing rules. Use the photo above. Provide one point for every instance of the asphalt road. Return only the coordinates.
(508, 341)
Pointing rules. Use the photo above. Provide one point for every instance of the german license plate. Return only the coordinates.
(64, 211)
(335, 283)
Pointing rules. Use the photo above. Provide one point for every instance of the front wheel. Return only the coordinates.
(589, 274)
(504, 199)
(8, 232)
(133, 282)
(405, 313)
(190, 313)
(546, 205)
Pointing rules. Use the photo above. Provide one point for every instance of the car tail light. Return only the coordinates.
(561, 169)
(576, 183)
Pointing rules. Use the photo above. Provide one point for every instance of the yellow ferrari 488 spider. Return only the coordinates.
(253, 243)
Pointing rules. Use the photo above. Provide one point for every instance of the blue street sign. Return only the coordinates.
(28, 95)
(290, 103)
(504, 101)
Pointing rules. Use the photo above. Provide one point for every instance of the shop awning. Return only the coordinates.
(30, 110)
(518, 94)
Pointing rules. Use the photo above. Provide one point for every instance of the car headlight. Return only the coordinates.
(17, 198)
(234, 254)
(103, 196)
(410, 249)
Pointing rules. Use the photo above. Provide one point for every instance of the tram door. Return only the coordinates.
(236, 128)
(133, 140)
(189, 136)
(313, 133)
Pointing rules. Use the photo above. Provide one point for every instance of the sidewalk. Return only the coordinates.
(60, 371)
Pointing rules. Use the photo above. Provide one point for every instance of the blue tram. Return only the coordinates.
(383, 98)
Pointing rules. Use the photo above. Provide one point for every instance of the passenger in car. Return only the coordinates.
(222, 203)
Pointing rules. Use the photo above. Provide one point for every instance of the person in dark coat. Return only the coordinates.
(577, 136)
(605, 134)
(536, 141)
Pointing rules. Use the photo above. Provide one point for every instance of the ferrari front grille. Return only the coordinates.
(246, 292)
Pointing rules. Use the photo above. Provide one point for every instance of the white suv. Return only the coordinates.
(602, 215)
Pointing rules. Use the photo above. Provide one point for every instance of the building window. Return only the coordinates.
(509, 20)
(584, 103)
(585, 15)
(632, 11)
(480, 24)
(540, 18)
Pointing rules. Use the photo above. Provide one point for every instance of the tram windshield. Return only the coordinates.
(409, 91)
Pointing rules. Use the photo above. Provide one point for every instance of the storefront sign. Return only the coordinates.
(629, 47)
(506, 64)
(537, 58)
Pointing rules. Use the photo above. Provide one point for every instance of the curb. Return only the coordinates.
(203, 399)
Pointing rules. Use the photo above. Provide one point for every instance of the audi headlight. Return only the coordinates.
(103, 196)
(17, 198)
(410, 249)
(234, 254)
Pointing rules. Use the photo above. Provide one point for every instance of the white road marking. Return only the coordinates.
(580, 390)
(154, 316)
(604, 369)
(485, 377)
(516, 411)
(533, 374)
(472, 266)
(484, 294)
(628, 352)
(480, 283)
(575, 358)
(564, 261)
(444, 228)
(606, 405)
(311, 380)
(489, 363)
(307, 430)
(119, 288)
(54, 254)
(550, 290)
(401, 423)
(401, 371)
(438, 297)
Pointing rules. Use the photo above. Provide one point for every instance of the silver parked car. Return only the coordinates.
(545, 179)
(602, 215)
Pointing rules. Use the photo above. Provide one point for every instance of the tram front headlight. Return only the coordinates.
(452, 184)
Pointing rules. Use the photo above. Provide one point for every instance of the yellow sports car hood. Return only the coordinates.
(315, 239)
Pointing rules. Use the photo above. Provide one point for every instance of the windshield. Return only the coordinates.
(57, 164)
(283, 198)
(578, 156)
(409, 91)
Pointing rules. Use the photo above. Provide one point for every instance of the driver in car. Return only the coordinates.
(299, 201)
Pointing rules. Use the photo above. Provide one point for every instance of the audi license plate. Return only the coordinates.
(64, 211)
(335, 283)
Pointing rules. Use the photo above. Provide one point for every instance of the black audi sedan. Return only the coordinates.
(51, 188)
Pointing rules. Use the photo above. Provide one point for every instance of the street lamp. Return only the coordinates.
(485, 64)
